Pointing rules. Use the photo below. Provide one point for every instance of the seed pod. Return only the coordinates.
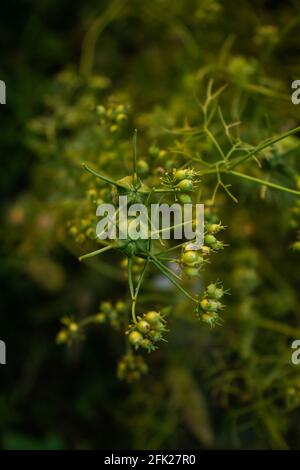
(73, 231)
(146, 344)
(214, 305)
(100, 110)
(296, 246)
(110, 112)
(185, 186)
(73, 327)
(61, 337)
(153, 151)
(152, 317)
(191, 272)
(120, 306)
(91, 194)
(105, 307)
(143, 326)
(181, 174)
(100, 317)
(215, 292)
(191, 258)
(214, 228)
(91, 233)
(162, 154)
(121, 117)
(154, 335)
(204, 304)
(135, 338)
(210, 239)
(120, 108)
(218, 245)
(184, 198)
(211, 318)
(205, 250)
(142, 167)
(159, 326)
(114, 128)
(80, 238)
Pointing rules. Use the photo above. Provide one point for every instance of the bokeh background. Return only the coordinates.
(230, 387)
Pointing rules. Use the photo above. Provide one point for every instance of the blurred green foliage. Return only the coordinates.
(232, 386)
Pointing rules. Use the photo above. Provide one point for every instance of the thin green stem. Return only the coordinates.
(163, 190)
(168, 269)
(276, 326)
(141, 278)
(137, 289)
(131, 289)
(253, 179)
(130, 280)
(159, 267)
(97, 252)
(215, 142)
(102, 177)
(135, 176)
(172, 248)
(262, 147)
(264, 182)
(225, 187)
(114, 10)
(166, 229)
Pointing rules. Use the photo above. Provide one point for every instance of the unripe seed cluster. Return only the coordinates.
(70, 332)
(131, 367)
(147, 331)
(182, 182)
(210, 239)
(191, 262)
(113, 314)
(113, 115)
(74, 331)
(210, 306)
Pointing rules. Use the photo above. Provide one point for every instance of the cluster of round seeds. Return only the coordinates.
(147, 331)
(210, 212)
(113, 115)
(74, 331)
(183, 182)
(98, 195)
(210, 240)
(110, 313)
(131, 367)
(82, 231)
(210, 306)
(161, 157)
(191, 262)
(70, 332)
(82, 227)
